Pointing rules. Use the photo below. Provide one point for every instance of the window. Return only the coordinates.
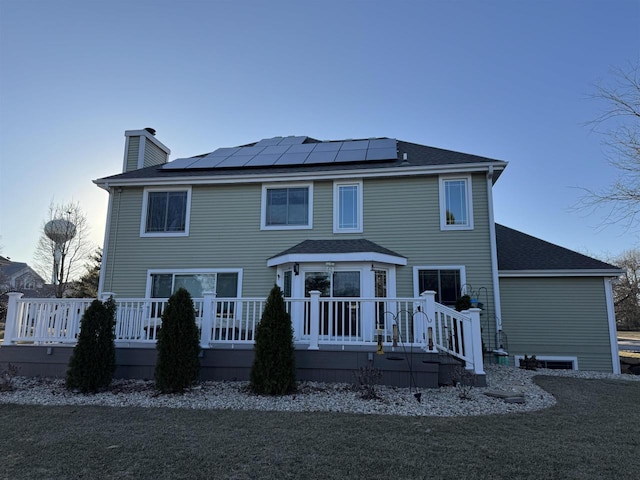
(165, 212)
(456, 211)
(225, 284)
(287, 207)
(347, 207)
(551, 362)
(447, 282)
(288, 283)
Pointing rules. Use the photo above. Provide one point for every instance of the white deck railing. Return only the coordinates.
(316, 321)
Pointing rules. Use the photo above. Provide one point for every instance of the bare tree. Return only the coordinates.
(626, 291)
(619, 123)
(64, 245)
(87, 285)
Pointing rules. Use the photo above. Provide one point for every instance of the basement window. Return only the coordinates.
(552, 362)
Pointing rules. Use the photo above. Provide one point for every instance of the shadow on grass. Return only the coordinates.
(592, 433)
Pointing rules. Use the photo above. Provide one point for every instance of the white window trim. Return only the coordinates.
(550, 358)
(263, 209)
(336, 206)
(145, 201)
(443, 203)
(416, 269)
(182, 271)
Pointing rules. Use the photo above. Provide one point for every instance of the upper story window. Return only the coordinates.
(456, 209)
(165, 212)
(287, 206)
(347, 207)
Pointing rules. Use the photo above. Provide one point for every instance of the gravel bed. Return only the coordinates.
(312, 396)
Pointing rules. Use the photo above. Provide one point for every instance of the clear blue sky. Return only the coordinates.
(505, 79)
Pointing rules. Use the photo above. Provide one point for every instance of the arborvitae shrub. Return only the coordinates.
(273, 371)
(178, 345)
(93, 360)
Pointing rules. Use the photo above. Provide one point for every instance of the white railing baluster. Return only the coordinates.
(419, 322)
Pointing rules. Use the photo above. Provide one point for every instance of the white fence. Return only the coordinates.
(316, 321)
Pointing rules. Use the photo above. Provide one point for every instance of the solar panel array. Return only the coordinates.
(287, 151)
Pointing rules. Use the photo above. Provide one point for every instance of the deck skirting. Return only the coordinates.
(399, 368)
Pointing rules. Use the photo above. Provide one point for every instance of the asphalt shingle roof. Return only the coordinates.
(337, 246)
(417, 155)
(519, 251)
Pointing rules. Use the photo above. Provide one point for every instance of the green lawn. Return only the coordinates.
(592, 433)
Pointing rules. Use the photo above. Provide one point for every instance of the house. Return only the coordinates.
(372, 242)
(19, 276)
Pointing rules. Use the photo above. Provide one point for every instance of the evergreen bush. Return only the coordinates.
(463, 303)
(178, 345)
(273, 371)
(93, 360)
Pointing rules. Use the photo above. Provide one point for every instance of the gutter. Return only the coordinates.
(105, 243)
(402, 171)
(614, 273)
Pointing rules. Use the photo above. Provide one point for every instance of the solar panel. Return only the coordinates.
(292, 158)
(306, 148)
(265, 142)
(262, 160)
(225, 152)
(321, 157)
(382, 143)
(275, 149)
(327, 146)
(355, 145)
(249, 150)
(351, 155)
(235, 161)
(292, 140)
(280, 151)
(180, 163)
(208, 162)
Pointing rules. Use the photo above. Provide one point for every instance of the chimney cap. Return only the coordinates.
(152, 131)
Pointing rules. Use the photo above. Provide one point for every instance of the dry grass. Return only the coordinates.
(592, 433)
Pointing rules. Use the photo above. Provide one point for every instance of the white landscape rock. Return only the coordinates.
(312, 396)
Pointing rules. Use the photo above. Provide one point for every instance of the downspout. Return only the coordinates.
(106, 254)
(494, 259)
(611, 318)
(105, 242)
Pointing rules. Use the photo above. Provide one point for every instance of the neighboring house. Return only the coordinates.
(19, 276)
(370, 225)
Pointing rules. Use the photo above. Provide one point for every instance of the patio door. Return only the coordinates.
(340, 317)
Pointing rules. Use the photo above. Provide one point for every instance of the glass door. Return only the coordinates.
(346, 313)
(340, 317)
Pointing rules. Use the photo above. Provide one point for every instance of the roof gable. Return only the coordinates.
(361, 250)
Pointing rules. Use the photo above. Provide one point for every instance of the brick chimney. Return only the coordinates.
(142, 149)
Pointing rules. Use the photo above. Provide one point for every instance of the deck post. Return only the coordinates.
(314, 320)
(207, 318)
(428, 307)
(12, 317)
(473, 342)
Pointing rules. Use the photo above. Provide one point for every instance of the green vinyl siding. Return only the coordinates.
(132, 154)
(153, 155)
(557, 317)
(401, 214)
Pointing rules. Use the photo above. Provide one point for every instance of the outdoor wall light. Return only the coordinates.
(296, 269)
